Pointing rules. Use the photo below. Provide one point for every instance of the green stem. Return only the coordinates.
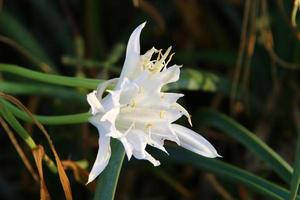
(49, 120)
(10, 118)
(107, 183)
(49, 78)
(17, 88)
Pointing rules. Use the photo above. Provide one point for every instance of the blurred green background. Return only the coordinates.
(241, 58)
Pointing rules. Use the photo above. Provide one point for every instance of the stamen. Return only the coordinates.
(170, 58)
(160, 63)
(148, 128)
(129, 129)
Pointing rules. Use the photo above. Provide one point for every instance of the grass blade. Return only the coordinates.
(13, 122)
(248, 139)
(296, 174)
(232, 173)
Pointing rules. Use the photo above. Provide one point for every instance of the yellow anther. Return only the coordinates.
(162, 114)
(133, 104)
(149, 126)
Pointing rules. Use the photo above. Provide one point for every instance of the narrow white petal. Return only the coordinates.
(133, 45)
(129, 91)
(158, 142)
(102, 158)
(111, 115)
(170, 75)
(102, 87)
(184, 112)
(194, 142)
(111, 100)
(127, 147)
(170, 98)
(151, 159)
(164, 131)
(132, 53)
(138, 140)
(154, 82)
(94, 103)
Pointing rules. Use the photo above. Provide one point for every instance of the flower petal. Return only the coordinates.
(102, 158)
(183, 111)
(132, 53)
(94, 103)
(194, 142)
(139, 139)
(164, 131)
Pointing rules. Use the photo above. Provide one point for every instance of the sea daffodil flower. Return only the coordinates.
(138, 113)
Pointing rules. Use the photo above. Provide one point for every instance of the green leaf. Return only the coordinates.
(22, 132)
(222, 122)
(108, 179)
(229, 172)
(50, 78)
(296, 174)
(13, 122)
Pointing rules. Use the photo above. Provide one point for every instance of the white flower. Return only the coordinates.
(137, 113)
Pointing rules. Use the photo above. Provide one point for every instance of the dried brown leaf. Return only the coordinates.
(19, 149)
(61, 172)
(38, 154)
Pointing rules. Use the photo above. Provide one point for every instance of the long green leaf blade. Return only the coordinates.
(215, 119)
(13, 122)
(235, 174)
(296, 174)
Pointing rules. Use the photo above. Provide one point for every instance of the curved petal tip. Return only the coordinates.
(133, 45)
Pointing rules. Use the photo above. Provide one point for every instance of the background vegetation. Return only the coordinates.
(240, 78)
